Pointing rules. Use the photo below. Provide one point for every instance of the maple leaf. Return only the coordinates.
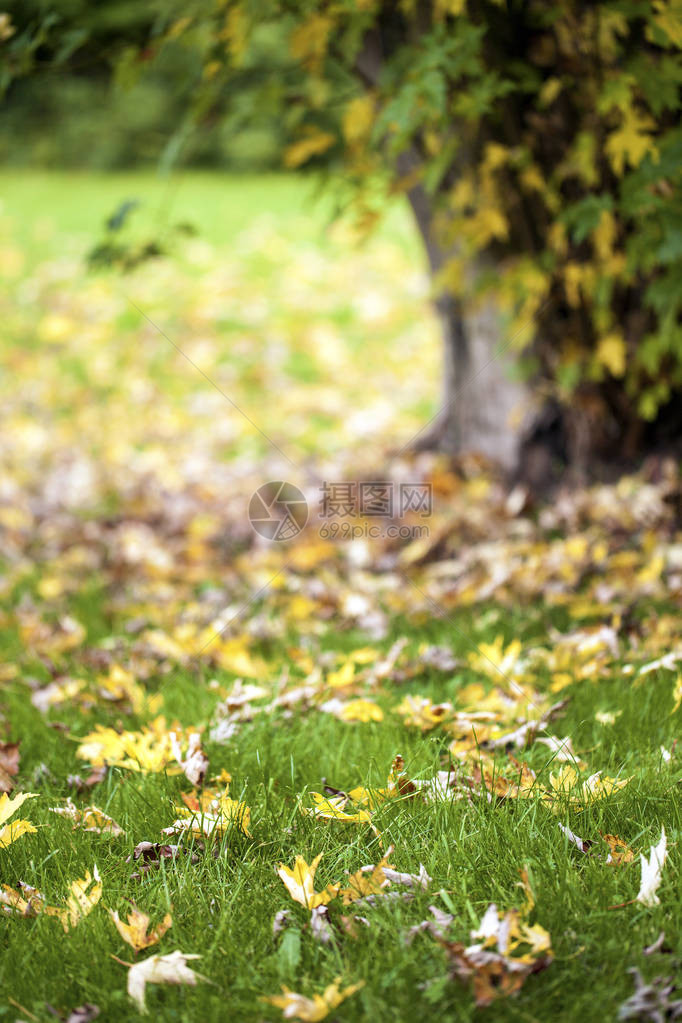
(136, 930)
(169, 969)
(27, 902)
(361, 710)
(8, 806)
(421, 712)
(300, 880)
(148, 750)
(311, 1010)
(212, 817)
(85, 894)
(620, 853)
(366, 881)
(333, 808)
(567, 784)
(629, 144)
(91, 818)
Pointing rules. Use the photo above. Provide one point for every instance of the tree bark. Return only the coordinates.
(484, 409)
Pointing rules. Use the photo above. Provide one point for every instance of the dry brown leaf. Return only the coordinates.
(9, 765)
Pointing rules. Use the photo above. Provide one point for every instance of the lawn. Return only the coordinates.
(523, 660)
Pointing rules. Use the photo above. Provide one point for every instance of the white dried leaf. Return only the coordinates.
(168, 969)
(651, 872)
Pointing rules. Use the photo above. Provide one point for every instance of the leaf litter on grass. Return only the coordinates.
(150, 628)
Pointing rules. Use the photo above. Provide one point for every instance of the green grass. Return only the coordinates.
(130, 483)
(49, 209)
(223, 906)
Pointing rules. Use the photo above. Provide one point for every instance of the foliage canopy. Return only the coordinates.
(542, 142)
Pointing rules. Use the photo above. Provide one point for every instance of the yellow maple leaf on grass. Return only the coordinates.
(300, 883)
(8, 806)
(136, 930)
(85, 894)
(212, 818)
(310, 1010)
(26, 902)
(568, 784)
(367, 881)
(91, 818)
(333, 808)
(421, 712)
(149, 750)
(361, 710)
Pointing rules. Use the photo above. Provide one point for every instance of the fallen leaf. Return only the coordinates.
(299, 882)
(151, 854)
(168, 969)
(27, 902)
(85, 894)
(83, 1013)
(9, 765)
(212, 819)
(333, 808)
(320, 925)
(651, 872)
(136, 930)
(195, 762)
(652, 1001)
(620, 853)
(89, 819)
(311, 1010)
(8, 806)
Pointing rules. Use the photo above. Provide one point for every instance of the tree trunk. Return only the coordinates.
(484, 409)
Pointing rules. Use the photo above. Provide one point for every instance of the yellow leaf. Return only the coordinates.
(343, 676)
(611, 354)
(91, 818)
(361, 710)
(312, 145)
(677, 694)
(311, 1010)
(332, 808)
(604, 235)
(213, 818)
(136, 931)
(443, 8)
(620, 853)
(421, 712)
(366, 882)
(629, 144)
(358, 119)
(28, 902)
(309, 40)
(11, 832)
(668, 18)
(149, 750)
(85, 894)
(299, 882)
(9, 806)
